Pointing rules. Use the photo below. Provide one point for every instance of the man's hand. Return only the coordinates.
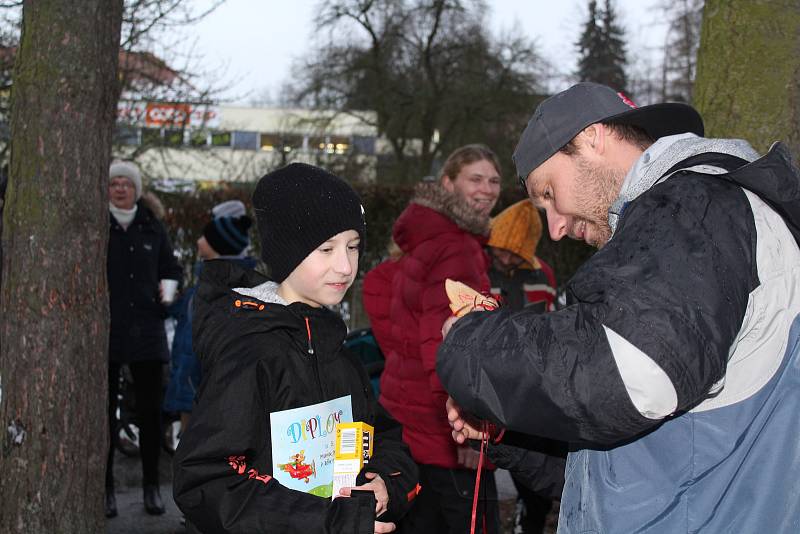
(384, 527)
(468, 457)
(378, 487)
(464, 428)
(448, 324)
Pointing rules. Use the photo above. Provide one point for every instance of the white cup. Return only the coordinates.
(168, 289)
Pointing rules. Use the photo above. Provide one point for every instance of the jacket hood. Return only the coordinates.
(662, 155)
(518, 229)
(153, 203)
(434, 210)
(452, 206)
(233, 302)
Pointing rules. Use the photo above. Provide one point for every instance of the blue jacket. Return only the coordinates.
(185, 371)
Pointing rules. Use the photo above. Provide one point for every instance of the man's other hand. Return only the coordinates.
(448, 324)
(463, 426)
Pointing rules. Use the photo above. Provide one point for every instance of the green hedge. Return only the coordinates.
(187, 213)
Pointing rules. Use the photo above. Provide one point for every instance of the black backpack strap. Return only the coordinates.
(785, 203)
(714, 159)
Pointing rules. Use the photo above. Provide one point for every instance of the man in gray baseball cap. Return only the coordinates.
(606, 133)
(672, 374)
(561, 117)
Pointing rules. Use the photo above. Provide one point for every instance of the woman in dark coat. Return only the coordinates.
(139, 257)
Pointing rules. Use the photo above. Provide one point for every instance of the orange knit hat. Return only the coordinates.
(518, 229)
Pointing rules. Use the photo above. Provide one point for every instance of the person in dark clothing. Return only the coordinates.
(271, 345)
(519, 278)
(139, 257)
(225, 237)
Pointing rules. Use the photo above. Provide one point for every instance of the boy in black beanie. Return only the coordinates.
(267, 346)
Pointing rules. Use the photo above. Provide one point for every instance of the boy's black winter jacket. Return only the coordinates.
(258, 358)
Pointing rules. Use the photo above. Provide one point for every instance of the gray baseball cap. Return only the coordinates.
(561, 117)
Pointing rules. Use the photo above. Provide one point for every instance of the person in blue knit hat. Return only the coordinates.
(224, 237)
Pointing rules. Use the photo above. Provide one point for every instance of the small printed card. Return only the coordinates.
(464, 299)
(304, 442)
(353, 450)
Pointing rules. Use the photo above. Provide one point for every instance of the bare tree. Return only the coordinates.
(172, 75)
(54, 321)
(680, 48)
(152, 66)
(428, 68)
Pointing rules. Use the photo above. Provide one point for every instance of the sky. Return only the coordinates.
(248, 46)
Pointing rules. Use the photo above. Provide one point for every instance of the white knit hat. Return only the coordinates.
(128, 170)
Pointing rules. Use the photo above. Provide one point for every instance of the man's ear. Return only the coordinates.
(448, 184)
(594, 138)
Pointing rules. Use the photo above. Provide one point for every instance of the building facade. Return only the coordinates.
(182, 145)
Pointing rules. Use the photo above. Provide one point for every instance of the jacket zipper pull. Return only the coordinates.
(308, 330)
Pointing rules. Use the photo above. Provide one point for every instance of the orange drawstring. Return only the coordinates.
(308, 330)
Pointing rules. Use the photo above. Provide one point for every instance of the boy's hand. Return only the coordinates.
(384, 527)
(377, 486)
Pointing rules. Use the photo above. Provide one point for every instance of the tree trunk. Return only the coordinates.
(54, 303)
(748, 71)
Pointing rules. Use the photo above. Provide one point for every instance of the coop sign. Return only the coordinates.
(166, 115)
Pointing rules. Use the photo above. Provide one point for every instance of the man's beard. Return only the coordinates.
(595, 191)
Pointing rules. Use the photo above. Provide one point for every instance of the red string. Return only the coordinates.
(484, 444)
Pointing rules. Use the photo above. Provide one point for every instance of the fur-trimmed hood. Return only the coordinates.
(154, 204)
(434, 213)
(432, 195)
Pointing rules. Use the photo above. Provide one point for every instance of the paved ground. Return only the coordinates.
(132, 518)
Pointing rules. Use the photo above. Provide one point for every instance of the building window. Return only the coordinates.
(220, 139)
(270, 143)
(173, 138)
(330, 144)
(151, 136)
(245, 140)
(340, 145)
(281, 143)
(170, 137)
(198, 139)
(126, 135)
(364, 145)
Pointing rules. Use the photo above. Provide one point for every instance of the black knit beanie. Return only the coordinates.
(299, 207)
(228, 235)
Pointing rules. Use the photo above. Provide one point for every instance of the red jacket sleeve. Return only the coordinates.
(461, 260)
(377, 297)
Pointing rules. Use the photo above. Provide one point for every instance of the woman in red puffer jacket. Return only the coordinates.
(441, 234)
